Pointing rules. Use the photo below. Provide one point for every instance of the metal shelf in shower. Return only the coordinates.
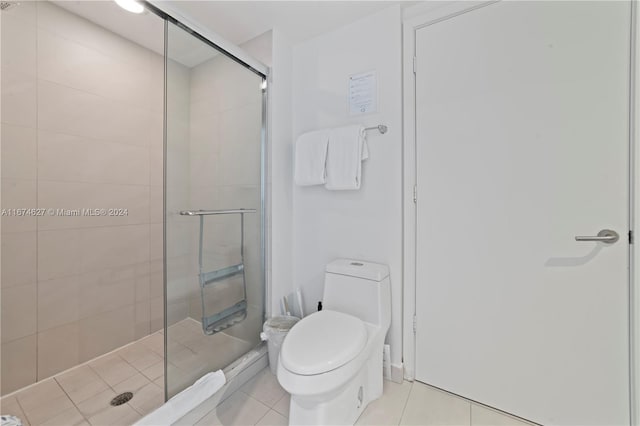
(237, 312)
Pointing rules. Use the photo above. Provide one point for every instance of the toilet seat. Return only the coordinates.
(323, 342)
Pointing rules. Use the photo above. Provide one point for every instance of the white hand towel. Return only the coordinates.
(311, 158)
(185, 401)
(347, 149)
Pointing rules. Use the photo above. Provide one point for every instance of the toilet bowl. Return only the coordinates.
(331, 361)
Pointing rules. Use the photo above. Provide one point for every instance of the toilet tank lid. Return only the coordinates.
(359, 268)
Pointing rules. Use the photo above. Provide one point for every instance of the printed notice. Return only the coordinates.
(363, 93)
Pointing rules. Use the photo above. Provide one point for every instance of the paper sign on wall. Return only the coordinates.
(363, 93)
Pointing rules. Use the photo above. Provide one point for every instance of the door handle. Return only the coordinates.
(606, 236)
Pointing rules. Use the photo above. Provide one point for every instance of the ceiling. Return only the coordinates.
(235, 21)
(240, 21)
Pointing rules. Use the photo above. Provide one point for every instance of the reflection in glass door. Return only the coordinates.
(214, 208)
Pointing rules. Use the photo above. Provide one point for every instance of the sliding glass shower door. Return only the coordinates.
(213, 208)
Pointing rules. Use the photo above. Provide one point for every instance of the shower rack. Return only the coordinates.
(237, 312)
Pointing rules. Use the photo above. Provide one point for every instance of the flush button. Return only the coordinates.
(356, 264)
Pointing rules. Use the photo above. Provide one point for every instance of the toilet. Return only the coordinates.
(331, 361)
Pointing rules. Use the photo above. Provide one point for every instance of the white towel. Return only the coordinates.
(347, 149)
(185, 401)
(311, 157)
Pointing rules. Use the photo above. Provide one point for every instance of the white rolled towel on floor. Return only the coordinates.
(174, 409)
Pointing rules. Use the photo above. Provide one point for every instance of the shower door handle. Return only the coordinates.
(606, 236)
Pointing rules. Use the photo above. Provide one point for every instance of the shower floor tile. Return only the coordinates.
(82, 395)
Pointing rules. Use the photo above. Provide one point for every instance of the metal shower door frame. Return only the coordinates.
(237, 54)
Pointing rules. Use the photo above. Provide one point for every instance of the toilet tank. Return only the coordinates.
(359, 288)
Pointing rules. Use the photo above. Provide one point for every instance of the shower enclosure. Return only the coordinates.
(214, 195)
(132, 205)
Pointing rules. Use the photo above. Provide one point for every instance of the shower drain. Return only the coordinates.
(121, 399)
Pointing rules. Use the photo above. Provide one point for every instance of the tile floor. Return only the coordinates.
(262, 401)
(81, 396)
(192, 354)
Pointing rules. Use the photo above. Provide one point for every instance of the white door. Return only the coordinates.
(522, 145)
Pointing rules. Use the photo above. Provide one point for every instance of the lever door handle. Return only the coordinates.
(606, 236)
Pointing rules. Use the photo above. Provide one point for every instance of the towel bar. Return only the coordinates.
(380, 127)
(214, 212)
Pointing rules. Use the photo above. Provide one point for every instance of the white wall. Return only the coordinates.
(364, 224)
(280, 173)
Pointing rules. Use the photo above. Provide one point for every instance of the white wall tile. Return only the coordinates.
(70, 26)
(19, 43)
(58, 253)
(58, 302)
(122, 204)
(104, 332)
(19, 194)
(18, 313)
(66, 157)
(18, 364)
(26, 14)
(113, 246)
(240, 131)
(18, 152)
(142, 318)
(19, 258)
(18, 98)
(106, 290)
(62, 109)
(58, 349)
(69, 62)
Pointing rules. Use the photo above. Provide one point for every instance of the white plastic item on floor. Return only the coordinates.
(274, 331)
(185, 401)
(10, 421)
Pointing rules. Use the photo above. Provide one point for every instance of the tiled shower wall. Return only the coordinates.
(216, 106)
(82, 123)
(226, 117)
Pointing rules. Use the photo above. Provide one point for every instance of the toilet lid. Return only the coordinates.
(323, 342)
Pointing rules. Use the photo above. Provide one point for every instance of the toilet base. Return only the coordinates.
(344, 405)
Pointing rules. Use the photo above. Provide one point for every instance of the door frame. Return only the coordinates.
(430, 14)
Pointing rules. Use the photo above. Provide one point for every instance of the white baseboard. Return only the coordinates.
(397, 373)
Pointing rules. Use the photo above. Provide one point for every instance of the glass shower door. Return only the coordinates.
(214, 209)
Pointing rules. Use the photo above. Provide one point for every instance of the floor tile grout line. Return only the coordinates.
(55, 379)
(121, 381)
(406, 402)
(22, 409)
(278, 401)
(263, 416)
